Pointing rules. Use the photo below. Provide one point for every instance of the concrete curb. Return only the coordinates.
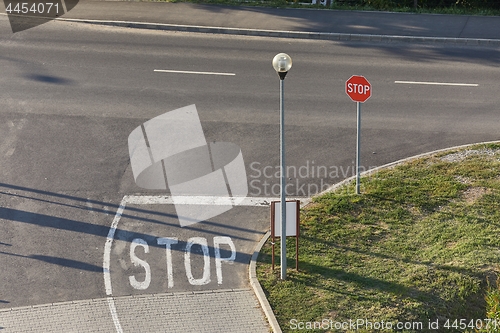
(254, 282)
(291, 34)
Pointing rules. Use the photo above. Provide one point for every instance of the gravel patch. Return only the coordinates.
(462, 155)
(472, 194)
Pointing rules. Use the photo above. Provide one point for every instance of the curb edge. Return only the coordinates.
(259, 292)
(290, 34)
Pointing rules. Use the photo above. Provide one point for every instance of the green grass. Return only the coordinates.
(420, 243)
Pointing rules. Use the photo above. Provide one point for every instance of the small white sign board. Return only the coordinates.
(292, 218)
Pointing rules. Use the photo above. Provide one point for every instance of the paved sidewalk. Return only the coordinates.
(300, 23)
(237, 310)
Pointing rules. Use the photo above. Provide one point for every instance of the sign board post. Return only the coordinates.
(292, 225)
(359, 90)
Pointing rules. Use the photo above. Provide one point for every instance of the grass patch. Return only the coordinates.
(420, 243)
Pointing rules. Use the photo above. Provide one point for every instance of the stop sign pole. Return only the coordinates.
(359, 90)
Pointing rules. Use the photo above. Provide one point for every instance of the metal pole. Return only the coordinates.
(273, 233)
(358, 146)
(283, 181)
(297, 228)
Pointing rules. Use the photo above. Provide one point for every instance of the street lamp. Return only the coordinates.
(282, 64)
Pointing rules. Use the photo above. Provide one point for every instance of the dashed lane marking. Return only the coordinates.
(439, 83)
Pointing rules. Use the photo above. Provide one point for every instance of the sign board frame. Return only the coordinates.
(292, 225)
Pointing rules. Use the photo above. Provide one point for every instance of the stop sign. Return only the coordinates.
(358, 88)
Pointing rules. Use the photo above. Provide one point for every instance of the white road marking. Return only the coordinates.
(106, 264)
(196, 200)
(10, 152)
(9, 143)
(192, 72)
(107, 247)
(168, 242)
(205, 279)
(440, 83)
(139, 262)
(64, 6)
(114, 315)
(165, 199)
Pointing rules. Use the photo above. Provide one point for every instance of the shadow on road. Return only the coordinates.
(73, 225)
(52, 79)
(59, 261)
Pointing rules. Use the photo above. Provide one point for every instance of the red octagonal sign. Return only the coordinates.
(358, 88)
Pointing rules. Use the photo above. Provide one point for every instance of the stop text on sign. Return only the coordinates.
(358, 88)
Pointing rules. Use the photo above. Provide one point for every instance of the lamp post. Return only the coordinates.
(282, 64)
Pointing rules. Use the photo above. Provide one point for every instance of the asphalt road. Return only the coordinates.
(71, 94)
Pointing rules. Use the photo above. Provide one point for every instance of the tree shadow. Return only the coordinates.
(37, 77)
(320, 20)
(374, 23)
(428, 264)
(51, 79)
(365, 282)
(427, 52)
